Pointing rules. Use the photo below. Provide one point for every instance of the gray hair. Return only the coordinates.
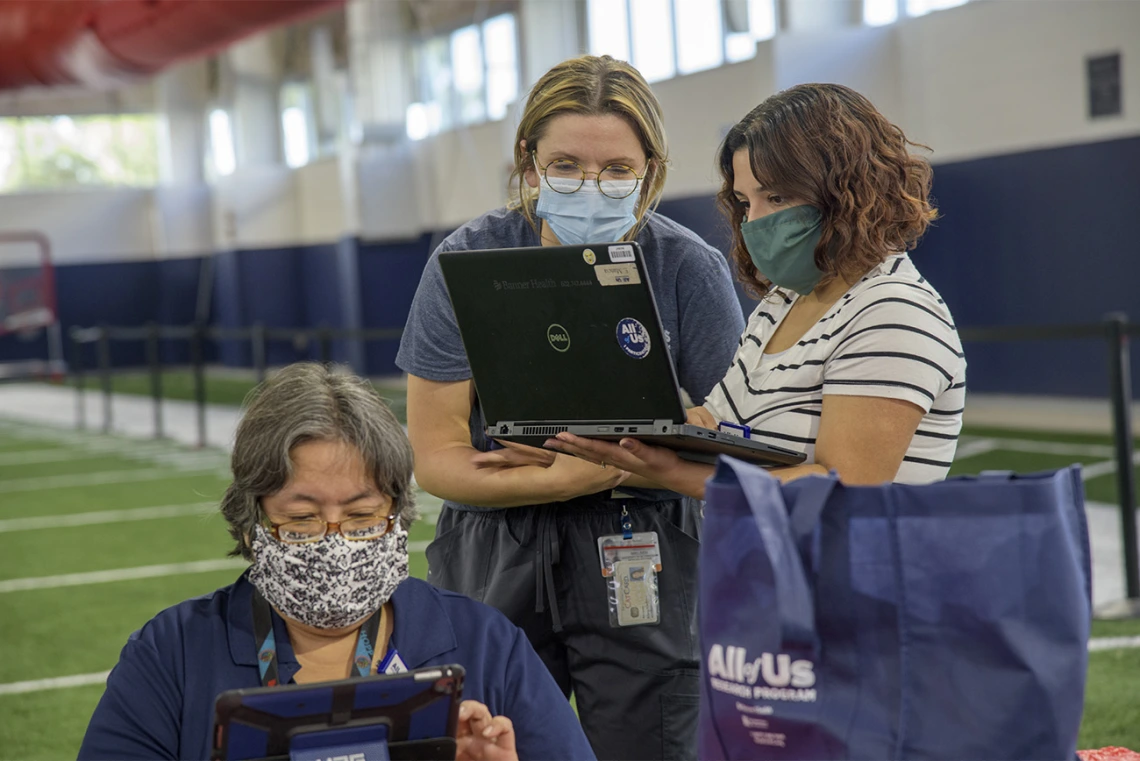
(311, 402)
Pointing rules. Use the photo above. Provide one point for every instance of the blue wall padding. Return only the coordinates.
(321, 297)
(272, 294)
(701, 215)
(1040, 237)
(1044, 237)
(281, 288)
(389, 274)
(177, 303)
(228, 308)
(119, 294)
(115, 293)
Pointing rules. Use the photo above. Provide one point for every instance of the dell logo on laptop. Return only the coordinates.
(558, 337)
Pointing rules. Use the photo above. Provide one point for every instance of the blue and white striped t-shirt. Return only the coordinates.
(890, 335)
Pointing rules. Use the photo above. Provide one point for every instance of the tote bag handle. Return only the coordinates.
(779, 534)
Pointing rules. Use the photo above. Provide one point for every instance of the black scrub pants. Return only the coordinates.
(637, 687)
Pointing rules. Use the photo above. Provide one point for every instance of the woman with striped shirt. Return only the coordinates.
(851, 356)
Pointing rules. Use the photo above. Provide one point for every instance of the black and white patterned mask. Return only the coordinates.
(332, 583)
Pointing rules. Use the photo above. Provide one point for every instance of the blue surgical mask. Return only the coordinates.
(588, 215)
(782, 246)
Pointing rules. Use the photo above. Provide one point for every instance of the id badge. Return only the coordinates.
(636, 587)
(630, 566)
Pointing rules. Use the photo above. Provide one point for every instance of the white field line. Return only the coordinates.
(1098, 469)
(971, 447)
(106, 516)
(1105, 468)
(119, 574)
(100, 677)
(138, 572)
(1113, 643)
(98, 443)
(39, 685)
(38, 456)
(98, 479)
(1052, 447)
(428, 515)
(153, 455)
(974, 447)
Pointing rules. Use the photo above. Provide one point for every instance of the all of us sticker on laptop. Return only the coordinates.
(633, 338)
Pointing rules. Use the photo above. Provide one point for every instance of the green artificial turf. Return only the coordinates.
(80, 629)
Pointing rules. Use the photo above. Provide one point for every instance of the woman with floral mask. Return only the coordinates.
(520, 527)
(851, 356)
(320, 504)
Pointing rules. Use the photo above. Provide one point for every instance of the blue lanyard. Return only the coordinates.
(267, 643)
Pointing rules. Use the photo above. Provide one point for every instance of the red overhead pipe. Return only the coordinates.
(103, 41)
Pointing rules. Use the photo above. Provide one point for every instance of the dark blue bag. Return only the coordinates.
(943, 621)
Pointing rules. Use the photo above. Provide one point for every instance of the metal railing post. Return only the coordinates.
(104, 345)
(198, 361)
(77, 369)
(324, 344)
(1120, 387)
(154, 362)
(257, 349)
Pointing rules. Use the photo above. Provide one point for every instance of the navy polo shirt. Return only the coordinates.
(159, 701)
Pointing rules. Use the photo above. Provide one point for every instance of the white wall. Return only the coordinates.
(389, 193)
(182, 217)
(256, 208)
(998, 76)
(321, 202)
(699, 109)
(462, 174)
(85, 225)
(863, 58)
(990, 77)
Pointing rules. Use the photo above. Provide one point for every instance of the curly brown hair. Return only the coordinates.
(827, 145)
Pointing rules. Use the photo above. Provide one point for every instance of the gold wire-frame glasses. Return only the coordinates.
(360, 529)
(623, 181)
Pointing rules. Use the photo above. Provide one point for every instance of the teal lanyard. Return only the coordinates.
(267, 642)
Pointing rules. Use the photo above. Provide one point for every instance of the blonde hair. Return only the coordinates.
(592, 86)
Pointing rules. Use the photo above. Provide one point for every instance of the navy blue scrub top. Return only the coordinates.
(159, 702)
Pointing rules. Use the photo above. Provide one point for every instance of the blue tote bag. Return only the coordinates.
(942, 621)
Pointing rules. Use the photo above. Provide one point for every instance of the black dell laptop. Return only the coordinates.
(568, 338)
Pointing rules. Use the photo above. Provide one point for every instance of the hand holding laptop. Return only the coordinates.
(659, 465)
(513, 456)
(700, 416)
(574, 473)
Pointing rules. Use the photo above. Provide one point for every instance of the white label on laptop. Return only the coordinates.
(633, 338)
(622, 253)
(617, 274)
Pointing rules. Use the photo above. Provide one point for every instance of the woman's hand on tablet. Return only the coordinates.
(483, 737)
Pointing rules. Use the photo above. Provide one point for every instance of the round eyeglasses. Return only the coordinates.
(357, 529)
(566, 176)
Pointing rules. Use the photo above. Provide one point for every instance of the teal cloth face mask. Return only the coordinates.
(782, 246)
